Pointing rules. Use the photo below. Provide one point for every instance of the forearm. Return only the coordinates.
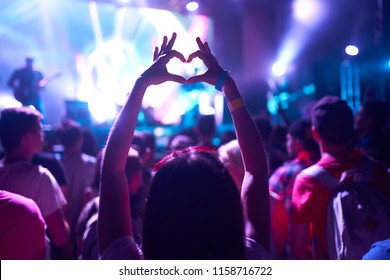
(121, 135)
(114, 210)
(248, 136)
(255, 192)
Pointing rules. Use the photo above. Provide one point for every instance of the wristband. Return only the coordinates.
(235, 104)
(222, 76)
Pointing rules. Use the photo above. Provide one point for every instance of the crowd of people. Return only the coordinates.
(250, 197)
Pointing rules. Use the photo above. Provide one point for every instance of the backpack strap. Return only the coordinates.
(365, 169)
(322, 175)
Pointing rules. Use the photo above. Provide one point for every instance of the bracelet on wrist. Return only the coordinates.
(235, 104)
(222, 76)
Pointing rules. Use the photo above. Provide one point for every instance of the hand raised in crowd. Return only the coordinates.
(158, 73)
(213, 67)
(114, 195)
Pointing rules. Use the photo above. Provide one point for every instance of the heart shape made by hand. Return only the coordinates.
(185, 69)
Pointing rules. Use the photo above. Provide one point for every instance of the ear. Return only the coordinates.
(26, 138)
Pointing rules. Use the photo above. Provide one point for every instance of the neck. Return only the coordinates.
(17, 156)
(333, 150)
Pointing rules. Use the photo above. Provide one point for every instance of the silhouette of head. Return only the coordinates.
(193, 210)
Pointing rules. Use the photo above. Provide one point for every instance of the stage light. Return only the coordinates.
(307, 11)
(102, 109)
(192, 6)
(307, 16)
(125, 1)
(279, 69)
(351, 50)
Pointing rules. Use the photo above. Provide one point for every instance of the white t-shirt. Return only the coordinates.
(35, 182)
(80, 172)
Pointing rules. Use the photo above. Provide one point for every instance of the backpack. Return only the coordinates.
(357, 215)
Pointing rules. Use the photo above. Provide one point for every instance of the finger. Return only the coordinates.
(192, 56)
(176, 54)
(155, 54)
(163, 45)
(171, 42)
(207, 47)
(176, 78)
(196, 79)
(197, 54)
(200, 44)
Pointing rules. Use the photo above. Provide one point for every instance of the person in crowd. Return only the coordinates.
(145, 152)
(90, 144)
(150, 140)
(371, 122)
(333, 123)
(27, 82)
(22, 228)
(87, 222)
(194, 209)
(230, 154)
(79, 169)
(178, 142)
(21, 136)
(303, 151)
(50, 161)
(275, 156)
(91, 202)
(205, 129)
(226, 137)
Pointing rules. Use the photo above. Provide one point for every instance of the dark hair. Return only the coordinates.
(333, 119)
(90, 145)
(150, 140)
(133, 166)
(69, 133)
(193, 210)
(301, 130)
(139, 143)
(14, 123)
(206, 125)
(378, 111)
(264, 126)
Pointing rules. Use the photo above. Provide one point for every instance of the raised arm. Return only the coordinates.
(114, 211)
(254, 192)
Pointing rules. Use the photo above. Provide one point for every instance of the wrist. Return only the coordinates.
(221, 79)
(230, 89)
(142, 82)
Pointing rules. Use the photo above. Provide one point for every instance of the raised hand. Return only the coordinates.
(213, 67)
(158, 73)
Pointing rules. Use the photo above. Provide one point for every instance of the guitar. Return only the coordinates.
(24, 93)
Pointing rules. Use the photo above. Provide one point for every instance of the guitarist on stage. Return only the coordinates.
(27, 82)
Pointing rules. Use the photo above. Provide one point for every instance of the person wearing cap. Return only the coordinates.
(304, 152)
(333, 122)
(27, 82)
